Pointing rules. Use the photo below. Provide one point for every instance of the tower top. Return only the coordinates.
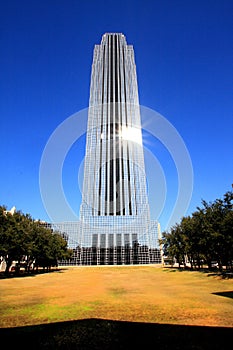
(108, 34)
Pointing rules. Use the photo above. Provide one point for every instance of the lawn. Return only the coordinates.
(147, 294)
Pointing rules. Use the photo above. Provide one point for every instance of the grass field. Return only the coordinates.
(98, 308)
(133, 293)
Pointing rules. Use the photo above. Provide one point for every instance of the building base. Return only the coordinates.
(137, 255)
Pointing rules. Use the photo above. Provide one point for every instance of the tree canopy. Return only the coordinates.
(205, 237)
(28, 242)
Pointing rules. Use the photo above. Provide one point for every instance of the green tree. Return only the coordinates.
(14, 236)
(205, 236)
(24, 240)
(174, 244)
(49, 247)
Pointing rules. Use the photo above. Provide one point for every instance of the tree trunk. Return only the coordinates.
(220, 265)
(8, 265)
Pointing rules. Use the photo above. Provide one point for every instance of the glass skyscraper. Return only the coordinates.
(115, 225)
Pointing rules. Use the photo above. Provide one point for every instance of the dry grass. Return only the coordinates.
(129, 293)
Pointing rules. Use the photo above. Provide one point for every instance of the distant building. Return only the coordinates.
(12, 211)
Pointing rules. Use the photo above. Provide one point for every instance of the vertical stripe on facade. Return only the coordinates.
(114, 181)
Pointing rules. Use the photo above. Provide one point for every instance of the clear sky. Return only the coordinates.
(184, 58)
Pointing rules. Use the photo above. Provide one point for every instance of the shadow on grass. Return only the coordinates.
(228, 294)
(108, 334)
(29, 274)
(210, 272)
(223, 275)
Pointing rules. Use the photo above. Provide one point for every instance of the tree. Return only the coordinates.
(24, 240)
(205, 236)
(174, 244)
(14, 236)
(50, 247)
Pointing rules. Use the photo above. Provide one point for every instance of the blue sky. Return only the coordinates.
(184, 58)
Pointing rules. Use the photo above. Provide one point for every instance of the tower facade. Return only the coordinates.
(115, 225)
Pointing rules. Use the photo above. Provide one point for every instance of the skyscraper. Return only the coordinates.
(115, 225)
